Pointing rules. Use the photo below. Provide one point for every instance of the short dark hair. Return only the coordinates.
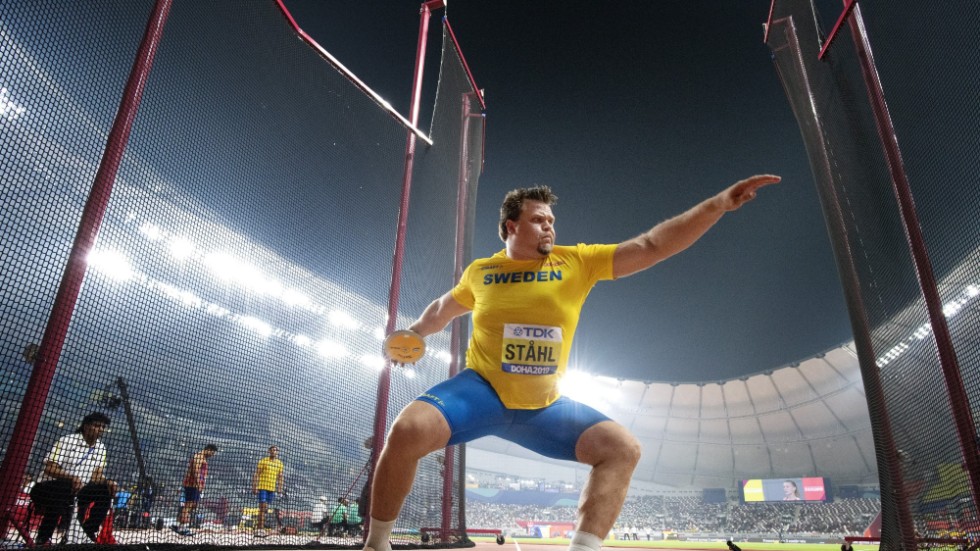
(513, 203)
(94, 417)
(211, 447)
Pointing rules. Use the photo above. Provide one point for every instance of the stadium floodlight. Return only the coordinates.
(186, 298)
(152, 231)
(302, 341)
(340, 318)
(113, 264)
(9, 109)
(181, 248)
(223, 265)
(257, 325)
(331, 349)
(374, 361)
(292, 297)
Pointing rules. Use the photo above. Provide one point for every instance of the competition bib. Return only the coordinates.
(530, 349)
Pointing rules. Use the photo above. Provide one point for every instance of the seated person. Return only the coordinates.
(75, 470)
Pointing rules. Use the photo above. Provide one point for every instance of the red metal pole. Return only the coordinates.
(959, 400)
(29, 418)
(462, 199)
(384, 383)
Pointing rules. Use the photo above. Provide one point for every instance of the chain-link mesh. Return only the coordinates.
(238, 288)
(924, 457)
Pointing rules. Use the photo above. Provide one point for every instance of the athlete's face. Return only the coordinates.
(534, 230)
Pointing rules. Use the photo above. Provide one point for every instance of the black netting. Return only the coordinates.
(237, 292)
(923, 455)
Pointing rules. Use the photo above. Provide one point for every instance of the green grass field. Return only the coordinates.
(674, 544)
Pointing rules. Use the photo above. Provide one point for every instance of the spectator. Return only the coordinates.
(74, 470)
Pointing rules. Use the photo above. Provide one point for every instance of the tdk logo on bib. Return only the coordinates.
(530, 349)
(532, 332)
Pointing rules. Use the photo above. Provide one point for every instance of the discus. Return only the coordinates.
(404, 347)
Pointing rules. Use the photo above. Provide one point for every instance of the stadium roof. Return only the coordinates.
(806, 419)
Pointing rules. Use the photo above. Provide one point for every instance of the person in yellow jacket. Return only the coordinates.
(267, 481)
(525, 302)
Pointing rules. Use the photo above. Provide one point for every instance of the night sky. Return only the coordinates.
(632, 112)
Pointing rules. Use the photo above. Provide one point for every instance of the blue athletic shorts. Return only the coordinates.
(473, 409)
(191, 494)
(266, 496)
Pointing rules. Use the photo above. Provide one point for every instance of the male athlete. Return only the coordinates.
(526, 301)
(267, 480)
(195, 479)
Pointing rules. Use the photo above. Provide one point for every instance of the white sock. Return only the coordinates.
(379, 534)
(584, 541)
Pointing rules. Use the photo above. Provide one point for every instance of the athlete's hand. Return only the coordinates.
(743, 191)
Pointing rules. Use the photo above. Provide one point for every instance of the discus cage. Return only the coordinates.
(207, 220)
(897, 181)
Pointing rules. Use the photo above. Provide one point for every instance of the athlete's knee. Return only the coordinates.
(608, 442)
(418, 430)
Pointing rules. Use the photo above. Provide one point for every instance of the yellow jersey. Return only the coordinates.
(268, 471)
(524, 317)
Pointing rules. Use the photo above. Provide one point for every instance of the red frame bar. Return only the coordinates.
(959, 400)
(398, 256)
(456, 334)
(452, 35)
(411, 125)
(848, 8)
(46, 363)
(850, 281)
(765, 35)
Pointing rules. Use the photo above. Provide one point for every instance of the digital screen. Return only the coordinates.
(784, 489)
(714, 495)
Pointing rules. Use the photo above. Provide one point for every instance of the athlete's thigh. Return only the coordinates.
(470, 406)
(555, 430)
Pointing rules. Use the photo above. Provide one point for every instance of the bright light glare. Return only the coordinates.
(575, 384)
(181, 248)
(374, 361)
(583, 387)
(186, 298)
(257, 325)
(152, 232)
(9, 109)
(113, 264)
(223, 265)
(330, 349)
(343, 319)
(446, 357)
(409, 373)
(302, 340)
(293, 297)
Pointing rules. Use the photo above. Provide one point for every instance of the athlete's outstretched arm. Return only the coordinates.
(438, 315)
(680, 232)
